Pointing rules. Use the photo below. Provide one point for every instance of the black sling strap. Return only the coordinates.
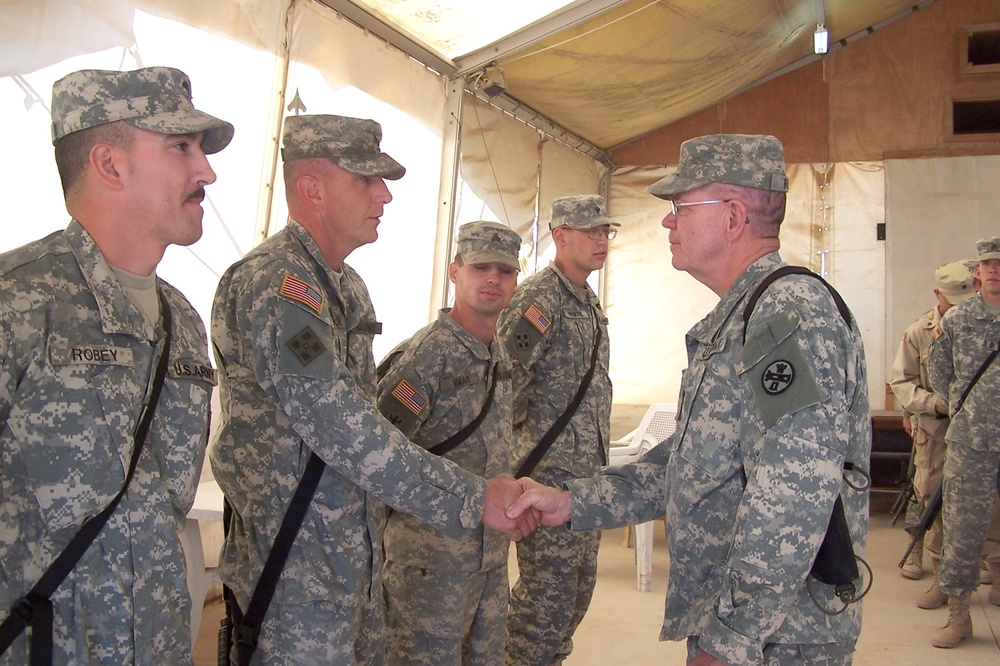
(528, 466)
(779, 273)
(35, 608)
(975, 378)
(463, 434)
(246, 627)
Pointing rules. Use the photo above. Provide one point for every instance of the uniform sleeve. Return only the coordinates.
(296, 362)
(620, 495)
(524, 329)
(941, 368)
(406, 393)
(905, 378)
(794, 381)
(7, 374)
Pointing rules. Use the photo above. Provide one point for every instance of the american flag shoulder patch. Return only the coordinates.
(411, 398)
(301, 292)
(537, 318)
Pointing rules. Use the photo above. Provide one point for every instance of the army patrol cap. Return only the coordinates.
(750, 160)
(989, 248)
(157, 99)
(488, 242)
(350, 143)
(954, 281)
(581, 211)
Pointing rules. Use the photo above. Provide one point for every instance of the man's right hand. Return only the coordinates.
(555, 506)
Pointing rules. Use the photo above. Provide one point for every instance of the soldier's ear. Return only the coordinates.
(106, 162)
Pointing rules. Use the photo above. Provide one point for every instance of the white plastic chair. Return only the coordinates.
(657, 424)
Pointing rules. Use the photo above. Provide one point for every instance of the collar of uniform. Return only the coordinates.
(118, 314)
(706, 330)
(330, 283)
(474, 344)
(588, 297)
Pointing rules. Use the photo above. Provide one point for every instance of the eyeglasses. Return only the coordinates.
(676, 207)
(597, 233)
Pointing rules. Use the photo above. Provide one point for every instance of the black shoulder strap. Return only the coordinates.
(247, 628)
(975, 378)
(779, 273)
(528, 466)
(35, 608)
(463, 434)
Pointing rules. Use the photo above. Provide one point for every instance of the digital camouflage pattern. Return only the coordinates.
(749, 160)
(76, 359)
(157, 99)
(968, 333)
(550, 329)
(447, 593)
(912, 387)
(350, 143)
(488, 242)
(580, 211)
(740, 554)
(290, 335)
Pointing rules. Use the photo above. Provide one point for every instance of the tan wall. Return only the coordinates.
(886, 95)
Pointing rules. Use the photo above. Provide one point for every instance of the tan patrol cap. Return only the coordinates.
(954, 281)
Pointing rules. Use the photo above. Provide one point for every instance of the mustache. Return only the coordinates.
(197, 194)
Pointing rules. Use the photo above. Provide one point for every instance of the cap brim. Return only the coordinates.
(382, 166)
(955, 299)
(217, 133)
(989, 255)
(487, 257)
(670, 186)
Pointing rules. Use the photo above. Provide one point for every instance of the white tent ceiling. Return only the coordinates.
(609, 71)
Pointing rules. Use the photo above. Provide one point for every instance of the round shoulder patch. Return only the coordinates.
(777, 377)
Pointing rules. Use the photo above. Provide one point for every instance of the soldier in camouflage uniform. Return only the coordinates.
(551, 329)
(81, 334)
(292, 327)
(446, 598)
(765, 428)
(968, 333)
(928, 417)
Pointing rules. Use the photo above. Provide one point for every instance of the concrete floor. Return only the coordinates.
(623, 624)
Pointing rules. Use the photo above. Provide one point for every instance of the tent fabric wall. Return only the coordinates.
(937, 208)
(651, 305)
(512, 167)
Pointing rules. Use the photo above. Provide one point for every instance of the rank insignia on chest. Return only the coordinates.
(777, 377)
(411, 398)
(295, 289)
(537, 318)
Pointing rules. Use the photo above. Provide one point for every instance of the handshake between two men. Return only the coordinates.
(517, 506)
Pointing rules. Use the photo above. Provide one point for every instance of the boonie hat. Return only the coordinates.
(157, 99)
(954, 281)
(750, 160)
(350, 143)
(488, 242)
(989, 248)
(580, 211)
